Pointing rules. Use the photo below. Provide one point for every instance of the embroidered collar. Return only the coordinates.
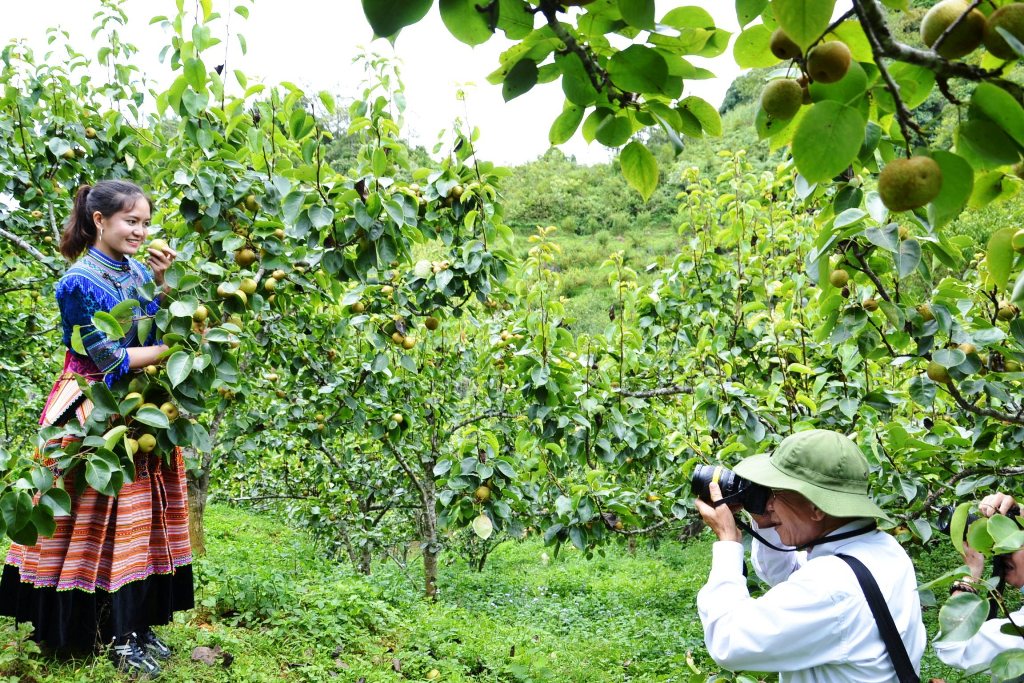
(108, 263)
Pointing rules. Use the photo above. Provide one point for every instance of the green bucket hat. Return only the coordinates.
(824, 466)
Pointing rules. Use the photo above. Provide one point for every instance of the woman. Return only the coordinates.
(976, 653)
(116, 566)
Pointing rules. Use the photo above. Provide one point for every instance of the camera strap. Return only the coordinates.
(883, 618)
(824, 539)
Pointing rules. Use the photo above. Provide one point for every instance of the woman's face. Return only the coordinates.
(1015, 568)
(121, 234)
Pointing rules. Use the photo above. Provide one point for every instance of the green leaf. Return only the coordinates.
(16, 509)
(908, 257)
(97, 473)
(752, 49)
(1001, 108)
(803, 20)
(704, 112)
(320, 216)
(76, 341)
(827, 140)
(957, 186)
(108, 325)
(638, 69)
(576, 83)
(179, 365)
(638, 13)
(961, 617)
(195, 74)
(114, 435)
(607, 128)
(152, 417)
(465, 21)
(1008, 665)
(958, 526)
(57, 501)
(640, 168)
(985, 145)
(515, 19)
(748, 10)
(999, 257)
(388, 17)
(125, 309)
(565, 124)
(42, 519)
(482, 526)
(520, 79)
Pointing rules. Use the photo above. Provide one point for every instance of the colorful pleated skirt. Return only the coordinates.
(114, 565)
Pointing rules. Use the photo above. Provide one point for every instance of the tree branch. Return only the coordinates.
(977, 410)
(38, 255)
(932, 497)
(669, 390)
(477, 418)
(873, 19)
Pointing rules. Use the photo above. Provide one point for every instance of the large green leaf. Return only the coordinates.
(985, 145)
(388, 17)
(640, 168)
(748, 10)
(1009, 664)
(638, 69)
(957, 186)
(108, 325)
(638, 13)
(803, 20)
(908, 257)
(565, 124)
(752, 49)
(152, 417)
(961, 617)
(179, 365)
(515, 19)
(520, 79)
(707, 115)
(576, 82)
(827, 140)
(999, 256)
(1001, 108)
(465, 21)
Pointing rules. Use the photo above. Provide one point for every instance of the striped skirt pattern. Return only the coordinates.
(117, 564)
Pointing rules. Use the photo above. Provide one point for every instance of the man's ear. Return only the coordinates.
(817, 514)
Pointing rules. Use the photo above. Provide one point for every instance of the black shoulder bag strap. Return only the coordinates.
(886, 626)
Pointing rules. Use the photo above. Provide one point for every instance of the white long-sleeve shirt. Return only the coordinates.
(977, 652)
(814, 624)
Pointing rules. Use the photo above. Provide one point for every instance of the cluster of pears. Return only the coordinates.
(973, 29)
(826, 62)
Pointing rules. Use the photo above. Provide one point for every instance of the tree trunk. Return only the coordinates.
(365, 559)
(198, 490)
(430, 545)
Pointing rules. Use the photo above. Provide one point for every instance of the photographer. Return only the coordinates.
(976, 653)
(815, 623)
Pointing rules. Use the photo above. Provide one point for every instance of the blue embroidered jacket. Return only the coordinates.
(94, 283)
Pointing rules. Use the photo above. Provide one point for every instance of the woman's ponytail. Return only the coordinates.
(80, 230)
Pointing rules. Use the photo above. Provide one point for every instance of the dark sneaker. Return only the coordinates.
(153, 645)
(130, 657)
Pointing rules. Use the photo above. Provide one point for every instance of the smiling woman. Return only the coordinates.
(114, 567)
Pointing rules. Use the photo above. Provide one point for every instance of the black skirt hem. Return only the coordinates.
(77, 619)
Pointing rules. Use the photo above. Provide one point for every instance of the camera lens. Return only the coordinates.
(735, 489)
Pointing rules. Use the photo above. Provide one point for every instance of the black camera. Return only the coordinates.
(945, 518)
(735, 489)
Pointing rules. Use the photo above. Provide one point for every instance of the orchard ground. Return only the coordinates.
(277, 612)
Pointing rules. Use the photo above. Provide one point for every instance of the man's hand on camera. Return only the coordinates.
(997, 503)
(719, 519)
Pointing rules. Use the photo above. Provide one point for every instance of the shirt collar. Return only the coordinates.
(830, 548)
(107, 262)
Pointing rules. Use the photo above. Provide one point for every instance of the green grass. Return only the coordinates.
(285, 614)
